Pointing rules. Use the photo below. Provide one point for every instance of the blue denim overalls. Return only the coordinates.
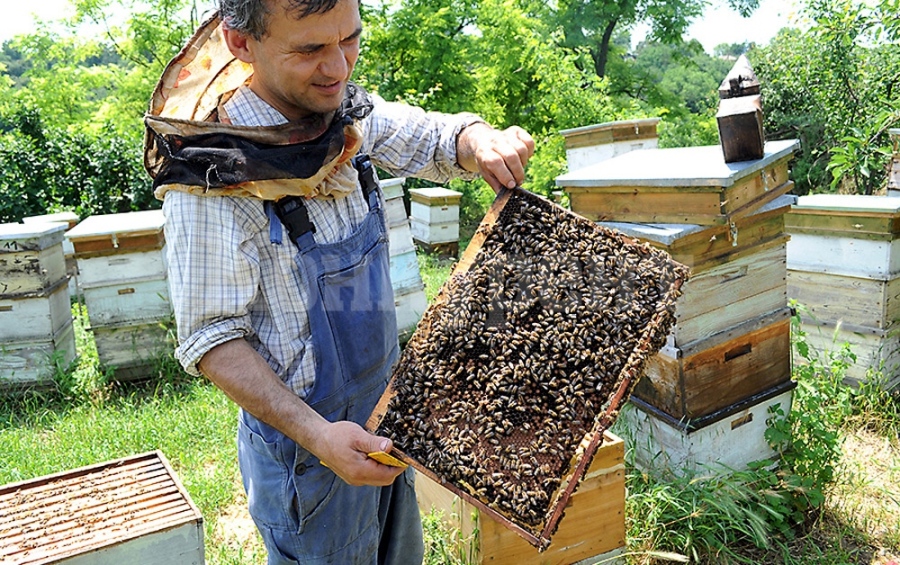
(305, 513)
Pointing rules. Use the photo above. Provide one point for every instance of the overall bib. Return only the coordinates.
(305, 513)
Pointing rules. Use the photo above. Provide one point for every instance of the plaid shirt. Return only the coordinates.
(229, 281)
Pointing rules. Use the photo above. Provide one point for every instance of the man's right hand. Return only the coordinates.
(344, 448)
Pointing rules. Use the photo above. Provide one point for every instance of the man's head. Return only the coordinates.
(302, 51)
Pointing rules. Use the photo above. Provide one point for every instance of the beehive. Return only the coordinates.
(434, 217)
(520, 364)
(725, 441)
(122, 266)
(685, 185)
(844, 270)
(406, 279)
(133, 510)
(36, 335)
(592, 144)
(594, 528)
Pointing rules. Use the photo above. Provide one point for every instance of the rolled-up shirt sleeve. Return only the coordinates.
(213, 271)
(408, 141)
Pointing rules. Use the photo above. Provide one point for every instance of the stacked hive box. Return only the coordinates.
(133, 510)
(705, 395)
(409, 290)
(70, 220)
(36, 332)
(590, 145)
(844, 270)
(435, 219)
(122, 266)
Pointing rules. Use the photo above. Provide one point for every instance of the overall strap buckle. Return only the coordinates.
(294, 216)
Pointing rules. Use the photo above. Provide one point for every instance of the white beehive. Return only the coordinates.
(434, 214)
(122, 265)
(406, 279)
(133, 510)
(70, 220)
(589, 145)
(31, 258)
(844, 270)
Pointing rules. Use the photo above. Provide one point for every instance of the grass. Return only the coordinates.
(711, 518)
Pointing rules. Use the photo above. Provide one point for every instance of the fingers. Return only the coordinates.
(347, 455)
(502, 157)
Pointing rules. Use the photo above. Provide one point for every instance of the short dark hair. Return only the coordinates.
(251, 17)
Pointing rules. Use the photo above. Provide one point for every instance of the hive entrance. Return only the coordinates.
(524, 357)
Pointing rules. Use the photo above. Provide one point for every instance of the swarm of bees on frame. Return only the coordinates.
(521, 352)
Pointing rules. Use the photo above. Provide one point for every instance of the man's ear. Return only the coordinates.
(239, 44)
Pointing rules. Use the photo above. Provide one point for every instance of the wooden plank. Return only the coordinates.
(641, 207)
(748, 194)
(610, 132)
(594, 522)
(435, 196)
(876, 227)
(851, 300)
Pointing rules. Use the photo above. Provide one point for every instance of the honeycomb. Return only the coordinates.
(525, 355)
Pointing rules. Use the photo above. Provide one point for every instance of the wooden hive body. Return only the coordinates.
(31, 258)
(434, 215)
(31, 363)
(594, 525)
(700, 380)
(688, 185)
(133, 510)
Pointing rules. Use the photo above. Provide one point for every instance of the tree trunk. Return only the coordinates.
(600, 53)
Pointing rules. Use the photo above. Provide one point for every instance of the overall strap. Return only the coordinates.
(293, 213)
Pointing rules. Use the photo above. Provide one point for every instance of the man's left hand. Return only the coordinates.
(500, 156)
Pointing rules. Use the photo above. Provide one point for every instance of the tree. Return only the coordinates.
(590, 24)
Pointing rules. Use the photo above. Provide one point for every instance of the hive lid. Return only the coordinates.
(30, 237)
(392, 188)
(675, 167)
(850, 203)
(524, 358)
(435, 196)
(51, 518)
(111, 233)
(69, 218)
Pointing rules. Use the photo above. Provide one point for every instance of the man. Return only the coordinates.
(301, 333)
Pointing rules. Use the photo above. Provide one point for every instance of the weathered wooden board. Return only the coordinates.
(133, 510)
(719, 371)
(846, 256)
(731, 293)
(405, 271)
(128, 302)
(102, 270)
(707, 247)
(435, 233)
(31, 363)
(132, 345)
(395, 212)
(622, 131)
(594, 524)
(691, 185)
(35, 317)
(118, 233)
(31, 258)
(876, 351)
(666, 448)
(392, 188)
(828, 298)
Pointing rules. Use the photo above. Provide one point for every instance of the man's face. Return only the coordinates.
(302, 66)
